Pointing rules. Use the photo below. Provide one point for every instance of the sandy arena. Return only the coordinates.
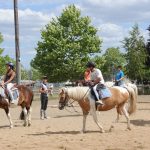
(62, 130)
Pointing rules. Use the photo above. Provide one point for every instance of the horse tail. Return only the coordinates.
(132, 100)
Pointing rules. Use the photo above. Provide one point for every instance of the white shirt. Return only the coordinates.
(44, 87)
(97, 74)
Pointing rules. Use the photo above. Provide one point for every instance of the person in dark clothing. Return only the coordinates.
(44, 98)
(9, 81)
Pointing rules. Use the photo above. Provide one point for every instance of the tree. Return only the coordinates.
(113, 58)
(147, 68)
(3, 59)
(36, 75)
(67, 44)
(136, 54)
(148, 49)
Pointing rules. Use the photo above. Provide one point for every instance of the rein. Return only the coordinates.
(85, 93)
(71, 105)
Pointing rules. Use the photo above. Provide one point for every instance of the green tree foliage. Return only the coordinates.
(67, 44)
(148, 49)
(3, 59)
(136, 54)
(147, 69)
(113, 58)
(24, 73)
(35, 74)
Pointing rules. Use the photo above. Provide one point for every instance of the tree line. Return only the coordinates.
(70, 40)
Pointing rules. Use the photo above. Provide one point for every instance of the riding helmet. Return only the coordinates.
(90, 64)
(10, 64)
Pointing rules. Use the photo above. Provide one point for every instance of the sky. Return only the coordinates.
(113, 19)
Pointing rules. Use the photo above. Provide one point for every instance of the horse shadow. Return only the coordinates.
(140, 122)
(61, 132)
(5, 126)
(62, 116)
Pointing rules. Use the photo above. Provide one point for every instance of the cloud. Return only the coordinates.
(114, 19)
(119, 11)
(111, 34)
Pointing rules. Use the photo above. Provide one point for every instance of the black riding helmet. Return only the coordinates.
(10, 64)
(45, 78)
(90, 64)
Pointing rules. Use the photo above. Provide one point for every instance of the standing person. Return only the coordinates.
(44, 98)
(119, 77)
(9, 81)
(96, 80)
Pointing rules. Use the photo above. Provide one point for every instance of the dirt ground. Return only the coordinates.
(62, 130)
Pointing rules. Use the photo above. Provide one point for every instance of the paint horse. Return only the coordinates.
(87, 103)
(25, 100)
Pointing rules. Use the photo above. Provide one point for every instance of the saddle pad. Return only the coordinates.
(2, 92)
(105, 93)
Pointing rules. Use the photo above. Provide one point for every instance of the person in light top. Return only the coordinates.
(44, 98)
(96, 78)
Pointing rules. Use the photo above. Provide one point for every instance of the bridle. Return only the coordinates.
(63, 101)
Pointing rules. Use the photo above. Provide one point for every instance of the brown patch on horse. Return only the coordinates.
(25, 95)
(3, 103)
(114, 101)
(85, 105)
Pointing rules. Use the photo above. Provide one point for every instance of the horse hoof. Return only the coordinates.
(129, 128)
(29, 124)
(102, 131)
(24, 124)
(11, 127)
(82, 132)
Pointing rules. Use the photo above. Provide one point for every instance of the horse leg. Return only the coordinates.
(93, 112)
(9, 117)
(84, 123)
(127, 117)
(25, 116)
(29, 110)
(118, 108)
(117, 119)
(118, 112)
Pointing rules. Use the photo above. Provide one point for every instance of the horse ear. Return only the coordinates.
(62, 91)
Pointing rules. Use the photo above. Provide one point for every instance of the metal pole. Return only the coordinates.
(16, 23)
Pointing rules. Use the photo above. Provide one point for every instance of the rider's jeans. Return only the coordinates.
(95, 91)
(9, 86)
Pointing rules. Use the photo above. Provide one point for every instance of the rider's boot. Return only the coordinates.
(99, 102)
(41, 114)
(45, 115)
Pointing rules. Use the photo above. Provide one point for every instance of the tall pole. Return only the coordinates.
(16, 23)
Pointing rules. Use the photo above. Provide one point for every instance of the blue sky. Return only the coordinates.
(113, 18)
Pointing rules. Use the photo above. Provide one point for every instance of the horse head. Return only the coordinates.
(63, 98)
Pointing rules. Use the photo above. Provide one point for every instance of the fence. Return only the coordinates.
(143, 89)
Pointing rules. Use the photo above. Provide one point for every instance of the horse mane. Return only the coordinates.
(77, 93)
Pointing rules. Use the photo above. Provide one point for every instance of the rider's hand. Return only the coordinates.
(91, 83)
(2, 83)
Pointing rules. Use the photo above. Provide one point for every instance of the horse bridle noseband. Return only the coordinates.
(65, 100)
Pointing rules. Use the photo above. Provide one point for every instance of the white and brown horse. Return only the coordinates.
(87, 103)
(4, 104)
(25, 101)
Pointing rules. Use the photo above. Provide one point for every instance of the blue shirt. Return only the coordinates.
(119, 75)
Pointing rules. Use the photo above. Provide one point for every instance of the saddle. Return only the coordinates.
(103, 91)
(12, 95)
